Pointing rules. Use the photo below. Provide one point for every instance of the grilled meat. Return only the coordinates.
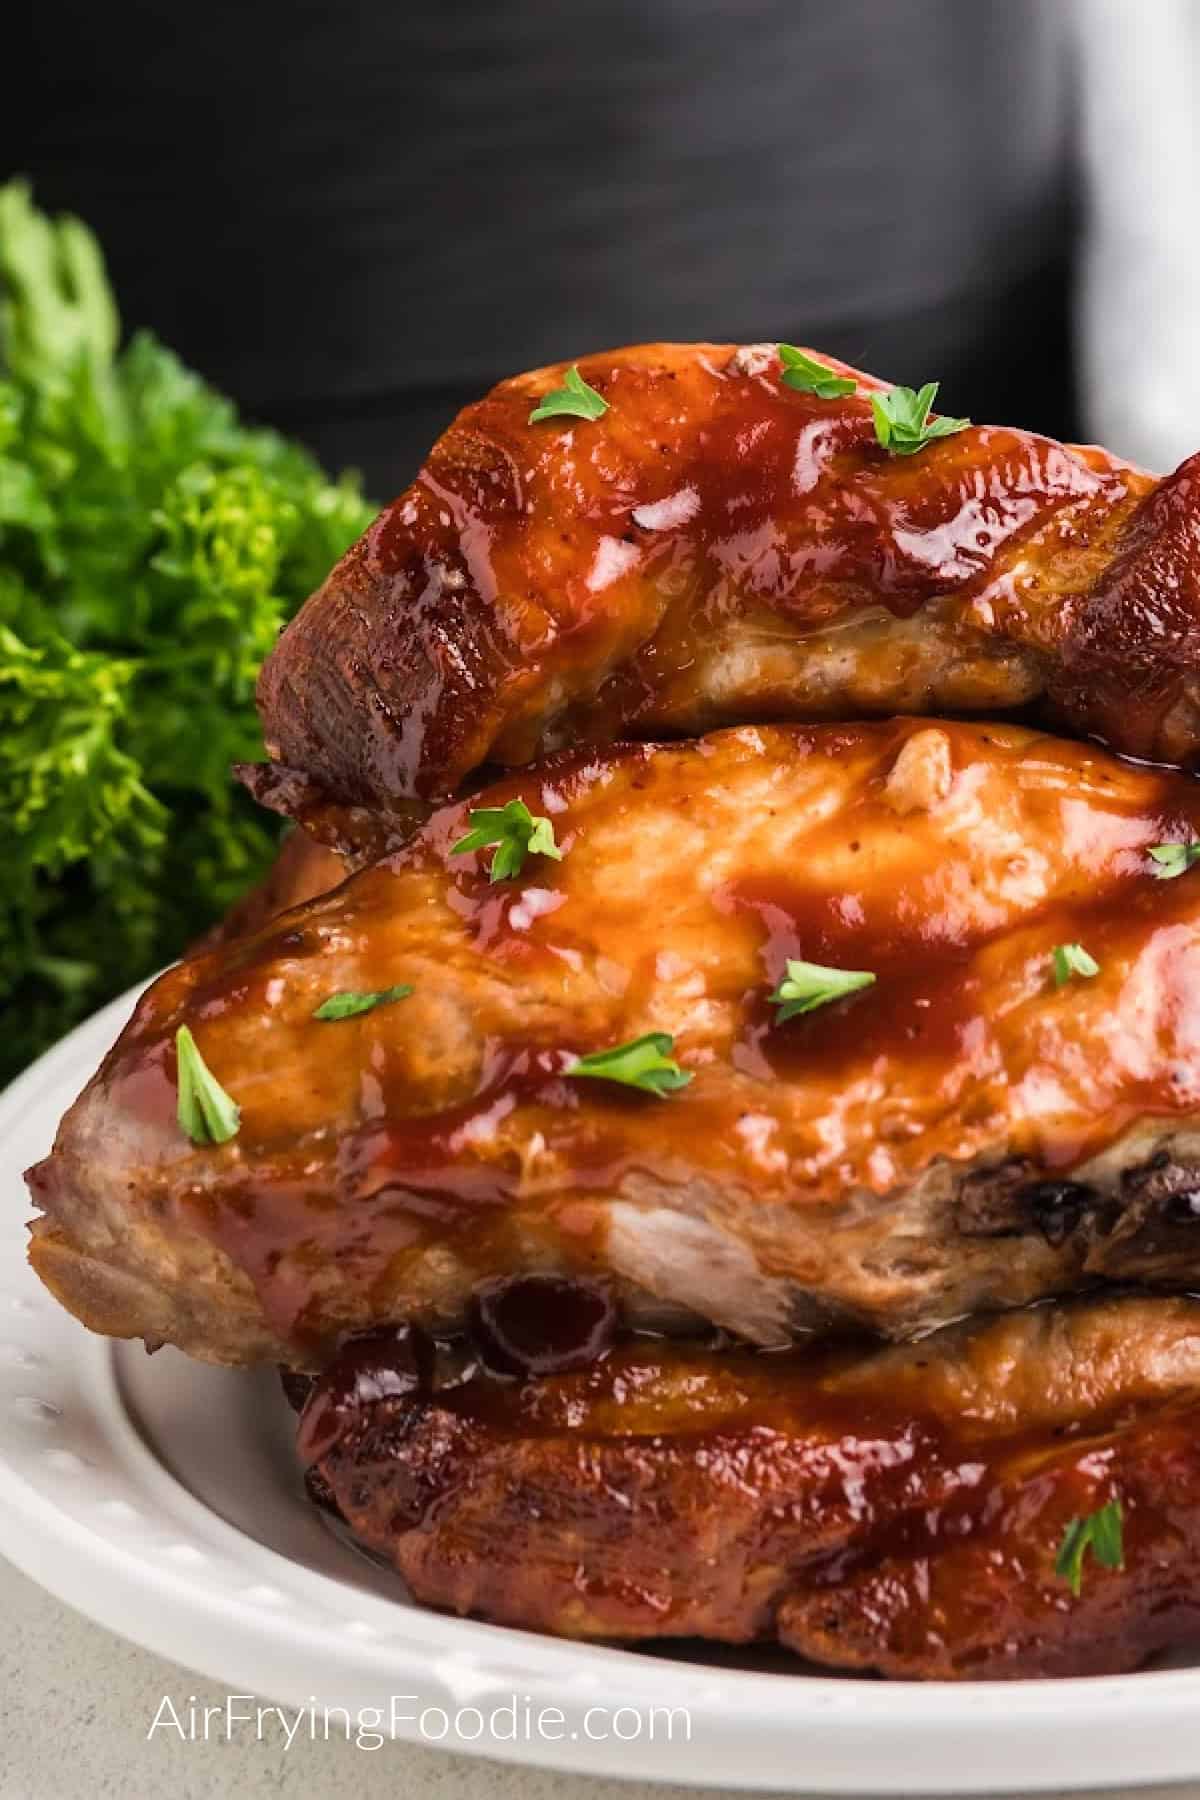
(301, 870)
(719, 549)
(966, 1133)
(899, 1510)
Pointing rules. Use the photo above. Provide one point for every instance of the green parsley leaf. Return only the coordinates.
(644, 1062)
(1072, 959)
(808, 985)
(152, 546)
(902, 422)
(574, 397)
(346, 1004)
(205, 1111)
(1174, 859)
(1100, 1532)
(808, 376)
(516, 831)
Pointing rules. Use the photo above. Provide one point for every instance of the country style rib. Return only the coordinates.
(976, 1129)
(898, 1510)
(718, 548)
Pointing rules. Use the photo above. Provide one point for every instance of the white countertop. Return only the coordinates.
(76, 1704)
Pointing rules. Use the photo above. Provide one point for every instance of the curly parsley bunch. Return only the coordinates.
(151, 547)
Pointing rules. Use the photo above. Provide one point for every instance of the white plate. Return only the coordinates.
(159, 1497)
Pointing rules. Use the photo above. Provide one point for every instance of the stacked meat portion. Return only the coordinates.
(694, 1028)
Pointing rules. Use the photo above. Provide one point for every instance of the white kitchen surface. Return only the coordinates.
(76, 1704)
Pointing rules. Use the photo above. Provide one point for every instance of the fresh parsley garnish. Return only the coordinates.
(574, 397)
(151, 549)
(644, 1062)
(347, 1003)
(1174, 859)
(902, 422)
(1101, 1533)
(1072, 959)
(808, 376)
(516, 832)
(205, 1111)
(808, 985)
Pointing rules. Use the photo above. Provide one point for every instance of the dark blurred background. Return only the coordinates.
(355, 216)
